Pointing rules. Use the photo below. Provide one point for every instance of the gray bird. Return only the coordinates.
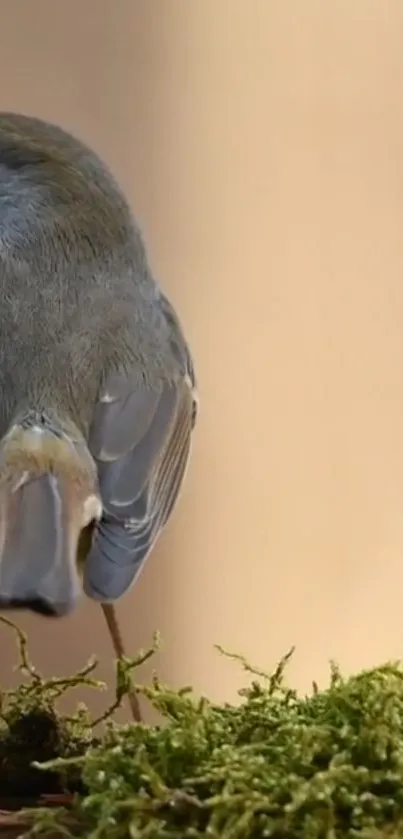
(98, 390)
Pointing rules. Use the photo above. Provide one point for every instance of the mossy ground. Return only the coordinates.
(276, 765)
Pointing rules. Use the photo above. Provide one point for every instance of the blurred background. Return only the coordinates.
(261, 147)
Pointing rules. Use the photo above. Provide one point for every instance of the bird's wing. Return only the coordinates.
(140, 439)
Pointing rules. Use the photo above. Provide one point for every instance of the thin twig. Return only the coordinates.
(25, 664)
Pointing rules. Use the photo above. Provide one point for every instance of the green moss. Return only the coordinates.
(277, 765)
(32, 730)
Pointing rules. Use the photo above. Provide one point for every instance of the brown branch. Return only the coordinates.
(11, 825)
(14, 825)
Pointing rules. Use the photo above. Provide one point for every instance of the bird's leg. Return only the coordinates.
(116, 636)
(108, 610)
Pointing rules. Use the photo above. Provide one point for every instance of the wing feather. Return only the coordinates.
(140, 484)
(140, 438)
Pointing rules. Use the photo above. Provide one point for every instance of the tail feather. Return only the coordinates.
(48, 494)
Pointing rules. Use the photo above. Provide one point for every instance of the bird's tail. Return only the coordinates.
(48, 494)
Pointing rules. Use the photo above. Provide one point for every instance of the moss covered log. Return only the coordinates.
(275, 765)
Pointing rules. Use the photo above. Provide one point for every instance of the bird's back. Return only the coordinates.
(98, 394)
(73, 270)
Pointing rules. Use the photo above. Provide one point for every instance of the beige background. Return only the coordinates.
(261, 144)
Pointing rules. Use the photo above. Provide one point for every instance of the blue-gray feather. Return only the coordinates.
(140, 439)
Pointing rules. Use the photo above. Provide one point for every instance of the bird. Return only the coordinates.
(99, 398)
